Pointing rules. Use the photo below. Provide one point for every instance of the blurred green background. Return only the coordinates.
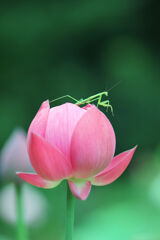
(53, 48)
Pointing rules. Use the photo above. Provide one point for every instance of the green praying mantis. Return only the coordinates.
(97, 97)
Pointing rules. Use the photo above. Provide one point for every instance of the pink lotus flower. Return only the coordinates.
(73, 143)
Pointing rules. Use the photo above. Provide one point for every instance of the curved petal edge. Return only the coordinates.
(37, 181)
(115, 168)
(47, 160)
(80, 189)
(39, 123)
(92, 144)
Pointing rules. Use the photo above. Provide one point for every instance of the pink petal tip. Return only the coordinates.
(115, 168)
(80, 189)
(37, 181)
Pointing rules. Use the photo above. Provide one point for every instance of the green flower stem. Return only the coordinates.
(21, 228)
(69, 215)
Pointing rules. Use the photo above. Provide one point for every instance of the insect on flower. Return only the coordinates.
(74, 143)
(97, 97)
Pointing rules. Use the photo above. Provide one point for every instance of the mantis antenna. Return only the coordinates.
(115, 85)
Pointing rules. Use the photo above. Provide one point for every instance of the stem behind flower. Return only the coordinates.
(21, 228)
(69, 215)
